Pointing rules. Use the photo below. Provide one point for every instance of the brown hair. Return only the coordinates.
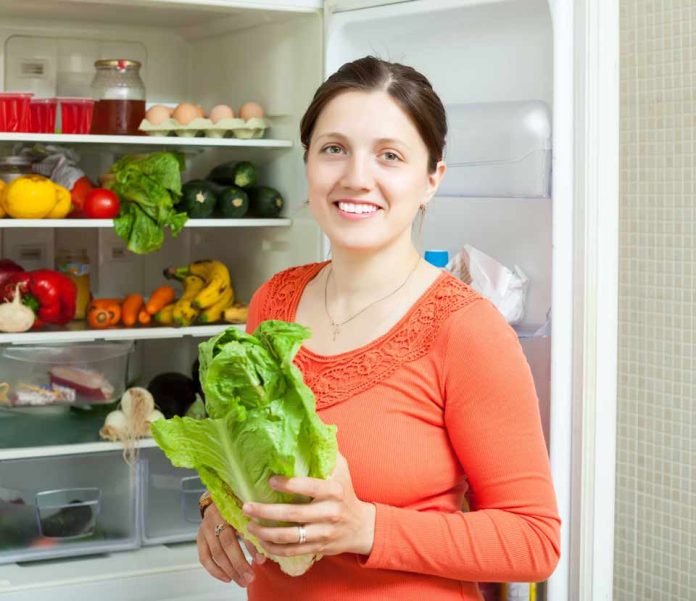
(410, 89)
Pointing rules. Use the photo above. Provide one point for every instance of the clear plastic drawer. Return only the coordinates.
(170, 500)
(498, 149)
(68, 505)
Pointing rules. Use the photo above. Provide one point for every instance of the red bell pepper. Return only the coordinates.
(7, 268)
(50, 294)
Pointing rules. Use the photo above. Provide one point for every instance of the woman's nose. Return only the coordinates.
(358, 173)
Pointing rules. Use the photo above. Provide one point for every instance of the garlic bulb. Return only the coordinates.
(14, 316)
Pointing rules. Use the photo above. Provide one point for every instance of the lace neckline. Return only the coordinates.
(310, 274)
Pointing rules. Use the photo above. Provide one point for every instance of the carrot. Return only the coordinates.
(159, 299)
(103, 313)
(144, 317)
(131, 307)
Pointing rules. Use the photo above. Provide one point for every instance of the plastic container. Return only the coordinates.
(120, 97)
(76, 115)
(498, 149)
(14, 111)
(69, 505)
(439, 258)
(43, 115)
(65, 374)
(170, 500)
(12, 167)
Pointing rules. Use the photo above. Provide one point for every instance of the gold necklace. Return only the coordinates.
(336, 326)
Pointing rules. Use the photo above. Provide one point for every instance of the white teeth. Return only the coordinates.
(350, 207)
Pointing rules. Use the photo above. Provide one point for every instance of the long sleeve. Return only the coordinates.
(493, 422)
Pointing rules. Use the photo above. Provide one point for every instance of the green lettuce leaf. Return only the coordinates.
(262, 421)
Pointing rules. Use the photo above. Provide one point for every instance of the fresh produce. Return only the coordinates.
(241, 174)
(149, 187)
(50, 294)
(174, 393)
(78, 194)
(132, 421)
(165, 316)
(144, 318)
(132, 305)
(199, 199)
(233, 202)
(14, 316)
(161, 297)
(262, 423)
(30, 197)
(236, 313)
(265, 201)
(215, 311)
(101, 203)
(7, 268)
(215, 276)
(63, 206)
(183, 313)
(104, 313)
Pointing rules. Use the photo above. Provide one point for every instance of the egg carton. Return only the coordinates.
(232, 128)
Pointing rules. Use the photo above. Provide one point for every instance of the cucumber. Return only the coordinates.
(265, 201)
(199, 199)
(233, 202)
(242, 174)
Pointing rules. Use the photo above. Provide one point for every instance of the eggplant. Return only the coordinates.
(173, 392)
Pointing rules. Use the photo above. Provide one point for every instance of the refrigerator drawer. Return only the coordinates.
(53, 507)
(498, 149)
(169, 500)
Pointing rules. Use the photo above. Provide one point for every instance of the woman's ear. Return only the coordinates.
(434, 180)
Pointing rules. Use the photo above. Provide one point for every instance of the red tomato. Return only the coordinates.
(101, 204)
(78, 194)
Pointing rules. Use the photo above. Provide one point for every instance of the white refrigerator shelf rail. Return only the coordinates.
(70, 449)
(100, 223)
(162, 141)
(78, 333)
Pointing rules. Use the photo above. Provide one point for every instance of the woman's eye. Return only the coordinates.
(391, 156)
(332, 149)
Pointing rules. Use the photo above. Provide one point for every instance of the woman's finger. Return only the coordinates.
(314, 488)
(300, 513)
(289, 535)
(206, 559)
(227, 554)
(255, 555)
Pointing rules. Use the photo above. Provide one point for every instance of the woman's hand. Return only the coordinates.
(220, 553)
(336, 521)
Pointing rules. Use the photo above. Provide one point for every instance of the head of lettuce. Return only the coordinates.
(261, 421)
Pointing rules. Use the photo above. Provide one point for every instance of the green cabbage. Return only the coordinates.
(261, 421)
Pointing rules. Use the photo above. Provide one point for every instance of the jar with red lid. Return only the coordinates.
(119, 95)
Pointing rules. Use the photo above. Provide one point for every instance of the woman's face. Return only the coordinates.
(367, 172)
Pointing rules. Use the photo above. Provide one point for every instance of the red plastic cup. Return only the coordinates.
(14, 111)
(43, 115)
(76, 115)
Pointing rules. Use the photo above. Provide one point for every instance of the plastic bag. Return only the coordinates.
(54, 162)
(505, 288)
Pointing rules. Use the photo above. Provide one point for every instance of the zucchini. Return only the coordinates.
(199, 199)
(233, 202)
(242, 174)
(265, 201)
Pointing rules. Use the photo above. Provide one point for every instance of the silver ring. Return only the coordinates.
(303, 534)
(219, 528)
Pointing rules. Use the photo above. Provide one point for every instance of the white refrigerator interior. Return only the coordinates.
(493, 63)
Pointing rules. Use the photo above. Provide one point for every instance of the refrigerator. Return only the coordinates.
(503, 69)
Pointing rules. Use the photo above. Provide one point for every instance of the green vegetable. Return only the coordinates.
(242, 174)
(233, 202)
(149, 186)
(262, 421)
(199, 198)
(265, 201)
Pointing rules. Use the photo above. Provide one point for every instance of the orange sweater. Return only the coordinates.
(442, 402)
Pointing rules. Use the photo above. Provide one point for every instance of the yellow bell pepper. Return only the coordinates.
(64, 204)
(30, 197)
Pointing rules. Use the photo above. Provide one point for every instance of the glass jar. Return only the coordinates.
(119, 96)
(75, 264)
(12, 167)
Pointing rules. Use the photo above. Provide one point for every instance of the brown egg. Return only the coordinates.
(184, 113)
(221, 111)
(250, 110)
(158, 113)
(201, 112)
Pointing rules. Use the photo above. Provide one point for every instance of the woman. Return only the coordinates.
(426, 382)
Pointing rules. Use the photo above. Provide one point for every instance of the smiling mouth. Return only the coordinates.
(356, 208)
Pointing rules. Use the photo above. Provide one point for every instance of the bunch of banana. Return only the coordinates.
(207, 293)
(236, 313)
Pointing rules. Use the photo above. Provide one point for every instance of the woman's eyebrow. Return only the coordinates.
(341, 136)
